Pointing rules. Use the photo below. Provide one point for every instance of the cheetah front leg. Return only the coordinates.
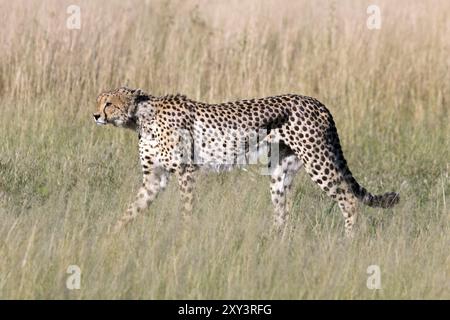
(154, 182)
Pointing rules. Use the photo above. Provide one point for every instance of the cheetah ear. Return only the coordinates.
(138, 92)
(139, 96)
(124, 90)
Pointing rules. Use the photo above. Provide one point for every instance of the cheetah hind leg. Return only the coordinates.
(331, 176)
(186, 183)
(280, 189)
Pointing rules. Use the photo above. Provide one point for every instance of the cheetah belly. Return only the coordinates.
(228, 151)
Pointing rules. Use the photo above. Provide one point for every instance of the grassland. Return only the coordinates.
(64, 181)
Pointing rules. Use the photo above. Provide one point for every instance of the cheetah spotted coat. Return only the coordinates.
(180, 136)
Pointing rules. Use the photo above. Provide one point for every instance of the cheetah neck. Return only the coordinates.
(144, 115)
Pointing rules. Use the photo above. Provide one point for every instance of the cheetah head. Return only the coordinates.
(118, 107)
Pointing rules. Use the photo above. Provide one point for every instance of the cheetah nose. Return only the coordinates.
(96, 116)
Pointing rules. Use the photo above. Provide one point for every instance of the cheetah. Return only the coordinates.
(181, 136)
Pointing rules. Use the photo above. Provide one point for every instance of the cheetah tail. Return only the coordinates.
(386, 200)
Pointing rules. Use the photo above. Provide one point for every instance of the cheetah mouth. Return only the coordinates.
(100, 122)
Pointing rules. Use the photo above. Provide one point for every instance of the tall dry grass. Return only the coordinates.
(63, 181)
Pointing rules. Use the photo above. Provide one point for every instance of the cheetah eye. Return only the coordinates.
(108, 104)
